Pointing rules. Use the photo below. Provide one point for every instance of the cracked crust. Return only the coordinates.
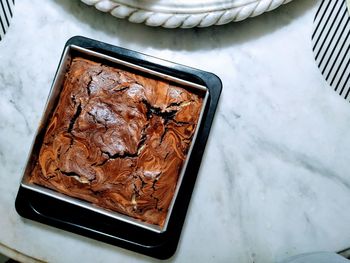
(118, 140)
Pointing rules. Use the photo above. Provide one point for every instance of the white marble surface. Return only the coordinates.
(274, 180)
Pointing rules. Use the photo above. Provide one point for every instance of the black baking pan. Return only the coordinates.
(51, 208)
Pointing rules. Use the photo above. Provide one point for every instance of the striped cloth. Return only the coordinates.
(6, 13)
(331, 44)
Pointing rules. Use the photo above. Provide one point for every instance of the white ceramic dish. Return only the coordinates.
(185, 13)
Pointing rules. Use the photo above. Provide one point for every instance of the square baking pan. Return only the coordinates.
(50, 207)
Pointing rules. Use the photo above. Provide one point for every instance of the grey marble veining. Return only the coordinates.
(274, 179)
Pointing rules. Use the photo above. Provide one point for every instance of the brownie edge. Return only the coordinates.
(118, 140)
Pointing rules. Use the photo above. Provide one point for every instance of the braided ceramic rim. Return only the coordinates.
(185, 19)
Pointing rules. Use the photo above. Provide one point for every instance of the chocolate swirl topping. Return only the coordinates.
(118, 140)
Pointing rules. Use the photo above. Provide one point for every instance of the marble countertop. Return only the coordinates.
(274, 179)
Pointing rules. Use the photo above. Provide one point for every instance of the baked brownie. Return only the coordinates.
(118, 140)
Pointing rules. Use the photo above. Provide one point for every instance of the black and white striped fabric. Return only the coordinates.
(331, 44)
(6, 13)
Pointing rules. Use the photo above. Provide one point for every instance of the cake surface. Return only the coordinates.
(118, 140)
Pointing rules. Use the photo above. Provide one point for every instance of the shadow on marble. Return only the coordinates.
(92, 242)
(187, 39)
(3, 259)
